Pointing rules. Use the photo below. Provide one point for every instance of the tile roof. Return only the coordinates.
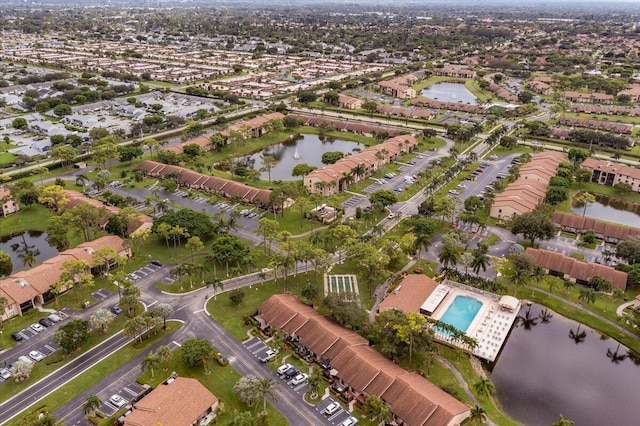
(410, 294)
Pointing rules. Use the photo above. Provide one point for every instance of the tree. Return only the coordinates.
(586, 199)
(330, 157)
(555, 195)
(484, 387)
(623, 187)
(310, 292)
(563, 422)
(91, 405)
(195, 351)
(65, 153)
(20, 123)
(445, 207)
(129, 153)
(525, 97)
(164, 355)
(374, 407)
(416, 324)
(600, 284)
(314, 382)
(480, 260)
(478, 415)
(3, 304)
(62, 109)
(57, 231)
(54, 197)
(629, 250)
(101, 319)
(370, 106)
(449, 255)
(533, 225)
(268, 163)
(587, 295)
(268, 229)
(196, 224)
(150, 363)
(267, 386)
(164, 311)
(578, 155)
(72, 335)
(6, 265)
(345, 309)
(331, 97)
(582, 175)
(383, 198)
(133, 327)
(20, 370)
(370, 259)
(236, 296)
(248, 389)
(302, 169)
(76, 273)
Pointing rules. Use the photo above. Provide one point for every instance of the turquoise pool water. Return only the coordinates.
(461, 312)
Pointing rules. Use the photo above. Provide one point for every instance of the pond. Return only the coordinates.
(450, 92)
(297, 150)
(562, 367)
(610, 209)
(25, 246)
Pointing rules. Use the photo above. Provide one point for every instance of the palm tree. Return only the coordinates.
(215, 283)
(479, 261)
(562, 421)
(163, 355)
(578, 336)
(91, 405)
(150, 362)
(448, 255)
(484, 387)
(567, 285)
(267, 386)
(82, 179)
(519, 278)
(478, 415)
(587, 295)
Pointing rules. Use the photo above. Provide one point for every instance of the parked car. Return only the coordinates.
(349, 422)
(46, 322)
(331, 408)
(17, 337)
(454, 192)
(36, 356)
(283, 369)
(5, 373)
(291, 373)
(25, 359)
(117, 400)
(221, 359)
(156, 263)
(133, 276)
(54, 318)
(115, 310)
(300, 378)
(269, 355)
(36, 327)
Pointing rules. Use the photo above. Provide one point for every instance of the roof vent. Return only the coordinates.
(397, 290)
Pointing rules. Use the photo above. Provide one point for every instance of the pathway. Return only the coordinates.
(621, 308)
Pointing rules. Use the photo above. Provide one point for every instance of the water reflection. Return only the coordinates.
(26, 249)
(297, 149)
(563, 367)
(450, 92)
(609, 209)
(526, 320)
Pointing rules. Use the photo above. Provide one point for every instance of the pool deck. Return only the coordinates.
(491, 325)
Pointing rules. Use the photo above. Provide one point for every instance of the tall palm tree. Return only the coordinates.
(149, 363)
(484, 387)
(91, 405)
(164, 355)
(267, 386)
(479, 261)
(587, 295)
(478, 415)
(519, 278)
(448, 256)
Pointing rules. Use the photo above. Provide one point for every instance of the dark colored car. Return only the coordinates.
(17, 336)
(156, 262)
(46, 322)
(292, 372)
(116, 310)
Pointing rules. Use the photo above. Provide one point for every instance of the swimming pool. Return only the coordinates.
(461, 312)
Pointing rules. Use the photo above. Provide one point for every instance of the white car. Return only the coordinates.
(283, 369)
(300, 378)
(331, 408)
(451, 192)
(117, 400)
(36, 327)
(269, 355)
(36, 356)
(5, 373)
(349, 422)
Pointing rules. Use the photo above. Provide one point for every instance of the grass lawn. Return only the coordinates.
(220, 382)
(6, 157)
(32, 218)
(93, 375)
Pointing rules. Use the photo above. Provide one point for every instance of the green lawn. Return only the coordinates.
(32, 218)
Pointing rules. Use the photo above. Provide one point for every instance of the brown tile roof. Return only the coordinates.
(577, 269)
(411, 397)
(605, 229)
(410, 294)
(179, 403)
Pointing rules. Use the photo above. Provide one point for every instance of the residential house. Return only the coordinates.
(349, 102)
(8, 204)
(356, 369)
(181, 401)
(204, 142)
(256, 127)
(32, 287)
(609, 232)
(529, 190)
(453, 71)
(399, 87)
(592, 98)
(575, 270)
(346, 126)
(608, 126)
(224, 187)
(410, 294)
(605, 172)
(334, 178)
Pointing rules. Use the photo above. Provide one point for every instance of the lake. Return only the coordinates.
(17, 245)
(450, 92)
(610, 210)
(553, 368)
(297, 150)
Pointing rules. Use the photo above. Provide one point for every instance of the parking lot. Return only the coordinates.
(143, 271)
(128, 393)
(336, 418)
(256, 346)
